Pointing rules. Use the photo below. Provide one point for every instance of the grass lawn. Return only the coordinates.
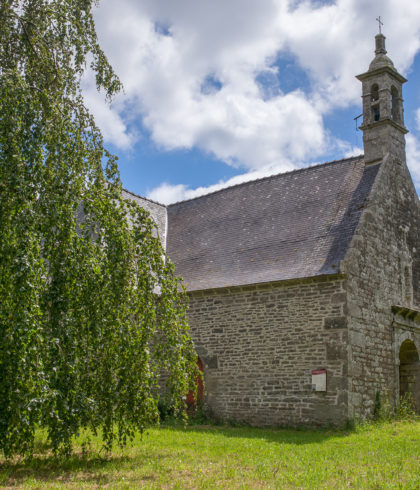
(385, 455)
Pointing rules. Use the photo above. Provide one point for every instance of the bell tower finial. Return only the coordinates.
(380, 39)
(380, 44)
(383, 115)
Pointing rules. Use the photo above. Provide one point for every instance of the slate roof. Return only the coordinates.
(293, 225)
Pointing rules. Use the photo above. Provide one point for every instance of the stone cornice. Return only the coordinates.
(384, 122)
(380, 71)
(268, 285)
(405, 316)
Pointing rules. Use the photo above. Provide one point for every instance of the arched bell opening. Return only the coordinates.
(409, 372)
(374, 99)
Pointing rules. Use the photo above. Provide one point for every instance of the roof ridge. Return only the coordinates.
(145, 198)
(296, 170)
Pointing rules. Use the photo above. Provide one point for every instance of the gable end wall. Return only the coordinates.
(383, 268)
(158, 212)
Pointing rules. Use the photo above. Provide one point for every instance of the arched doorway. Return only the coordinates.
(190, 400)
(410, 373)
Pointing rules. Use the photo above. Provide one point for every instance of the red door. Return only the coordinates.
(191, 402)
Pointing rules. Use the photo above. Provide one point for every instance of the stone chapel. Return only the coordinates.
(304, 287)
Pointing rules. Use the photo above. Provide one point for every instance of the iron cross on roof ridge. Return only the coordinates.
(380, 24)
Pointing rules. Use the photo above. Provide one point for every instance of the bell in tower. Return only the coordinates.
(383, 118)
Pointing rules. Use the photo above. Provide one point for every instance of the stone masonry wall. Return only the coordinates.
(259, 345)
(383, 267)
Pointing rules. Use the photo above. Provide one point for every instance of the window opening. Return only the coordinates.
(374, 94)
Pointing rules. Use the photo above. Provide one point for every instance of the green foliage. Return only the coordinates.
(90, 313)
(405, 409)
(384, 411)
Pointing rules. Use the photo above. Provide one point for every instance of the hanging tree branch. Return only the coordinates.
(84, 334)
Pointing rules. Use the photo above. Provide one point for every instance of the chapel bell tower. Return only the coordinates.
(383, 114)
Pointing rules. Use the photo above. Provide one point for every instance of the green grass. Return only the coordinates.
(376, 456)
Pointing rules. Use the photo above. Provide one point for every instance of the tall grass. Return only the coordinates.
(385, 454)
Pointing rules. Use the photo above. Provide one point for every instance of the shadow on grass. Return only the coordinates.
(90, 468)
(277, 435)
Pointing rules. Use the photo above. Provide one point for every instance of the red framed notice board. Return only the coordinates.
(319, 380)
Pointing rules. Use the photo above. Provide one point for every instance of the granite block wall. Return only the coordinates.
(259, 345)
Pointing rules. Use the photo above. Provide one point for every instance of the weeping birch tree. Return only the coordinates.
(90, 312)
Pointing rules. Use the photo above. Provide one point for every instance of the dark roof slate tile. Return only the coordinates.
(288, 226)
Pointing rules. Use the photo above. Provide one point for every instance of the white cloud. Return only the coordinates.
(163, 77)
(167, 193)
(352, 151)
(336, 42)
(164, 51)
(113, 128)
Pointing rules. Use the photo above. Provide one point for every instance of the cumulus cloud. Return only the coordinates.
(335, 42)
(164, 71)
(168, 193)
(111, 123)
(192, 72)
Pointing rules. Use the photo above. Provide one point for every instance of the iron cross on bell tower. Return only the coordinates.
(380, 24)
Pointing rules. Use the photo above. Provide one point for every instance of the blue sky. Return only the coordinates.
(218, 92)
